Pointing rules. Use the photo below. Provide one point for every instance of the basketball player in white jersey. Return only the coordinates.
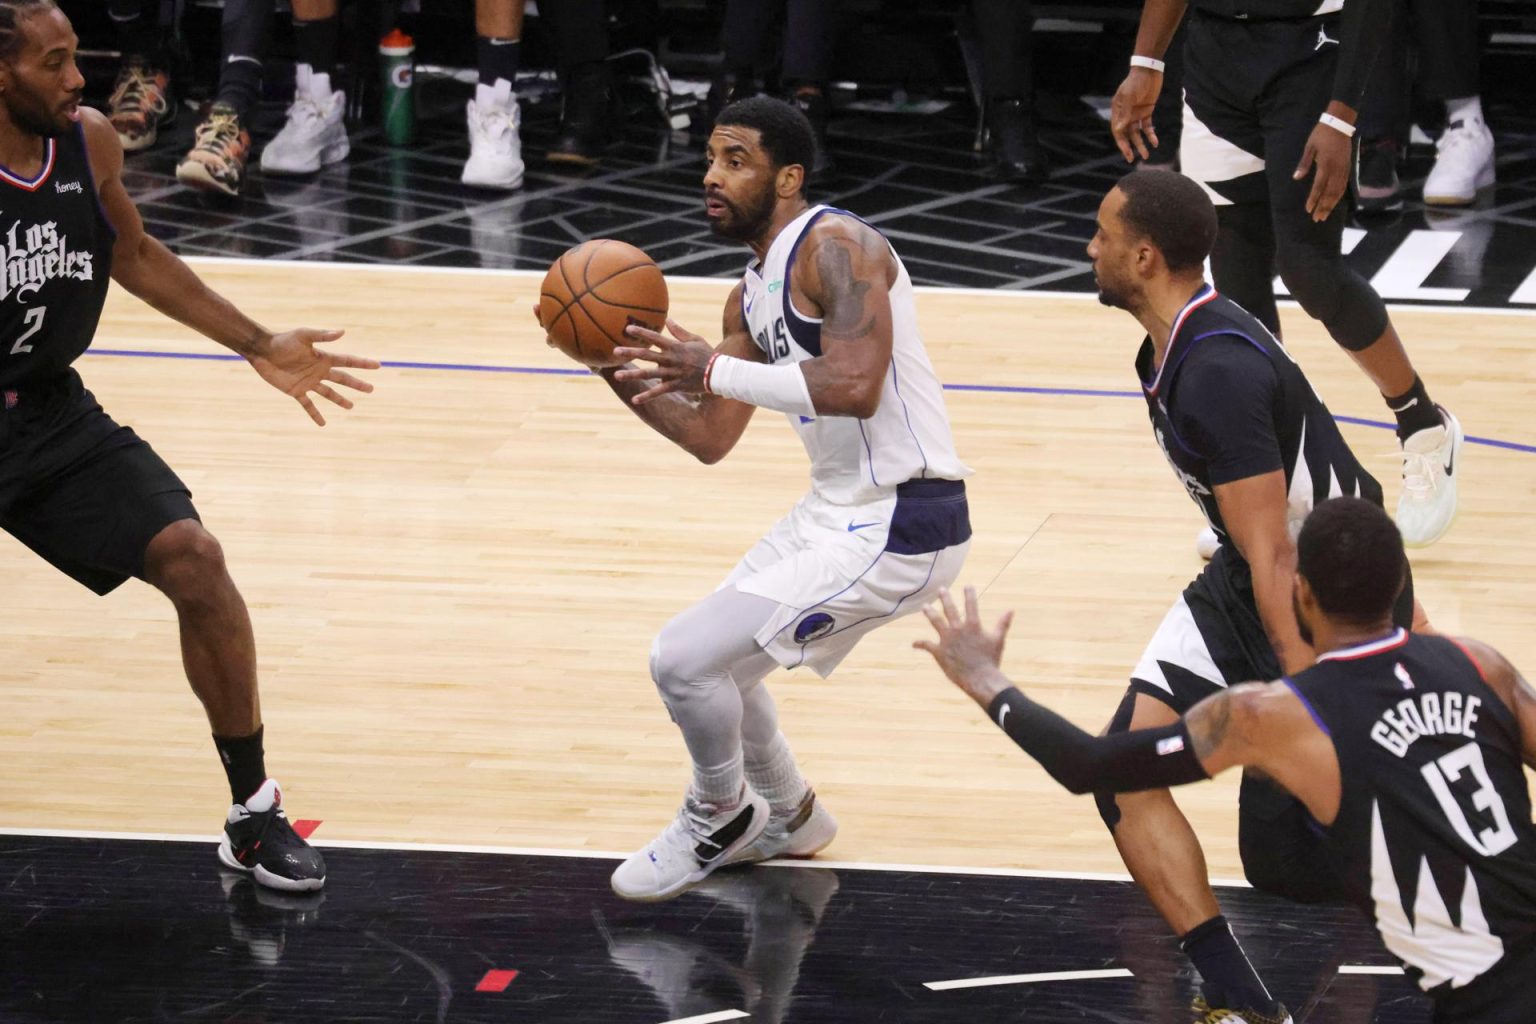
(822, 328)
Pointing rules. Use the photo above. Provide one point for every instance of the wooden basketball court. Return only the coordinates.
(455, 586)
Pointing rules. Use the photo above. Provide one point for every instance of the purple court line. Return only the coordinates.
(1006, 389)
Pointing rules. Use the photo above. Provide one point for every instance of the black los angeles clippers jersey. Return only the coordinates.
(56, 246)
(1434, 829)
(1230, 403)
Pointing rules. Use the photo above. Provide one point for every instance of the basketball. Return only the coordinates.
(595, 290)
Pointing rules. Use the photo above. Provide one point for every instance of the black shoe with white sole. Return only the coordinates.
(259, 841)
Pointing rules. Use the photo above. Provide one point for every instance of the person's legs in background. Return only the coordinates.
(581, 56)
(1447, 35)
(1005, 28)
(493, 116)
(316, 131)
(141, 99)
(217, 160)
(1383, 126)
(809, 37)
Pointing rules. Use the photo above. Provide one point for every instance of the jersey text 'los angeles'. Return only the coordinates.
(55, 263)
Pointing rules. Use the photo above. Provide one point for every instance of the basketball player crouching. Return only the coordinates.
(1406, 750)
(822, 328)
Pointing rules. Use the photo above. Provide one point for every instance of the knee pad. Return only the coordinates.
(1334, 295)
(1109, 811)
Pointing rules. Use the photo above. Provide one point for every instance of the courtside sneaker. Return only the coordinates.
(258, 841)
(316, 131)
(1463, 163)
(221, 147)
(804, 832)
(699, 840)
(1205, 1013)
(495, 149)
(1427, 505)
(140, 104)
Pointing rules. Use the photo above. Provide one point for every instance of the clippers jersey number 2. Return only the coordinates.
(34, 321)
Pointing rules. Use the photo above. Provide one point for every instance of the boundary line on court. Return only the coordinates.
(535, 851)
(922, 289)
(556, 371)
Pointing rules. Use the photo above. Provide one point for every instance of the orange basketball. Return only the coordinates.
(594, 291)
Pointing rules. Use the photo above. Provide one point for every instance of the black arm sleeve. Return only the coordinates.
(1363, 27)
(1121, 762)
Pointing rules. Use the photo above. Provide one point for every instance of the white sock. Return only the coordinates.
(719, 786)
(774, 774)
(1466, 110)
(498, 96)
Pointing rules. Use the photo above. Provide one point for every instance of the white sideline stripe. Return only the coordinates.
(710, 1018)
(1028, 979)
(922, 289)
(534, 851)
(1368, 969)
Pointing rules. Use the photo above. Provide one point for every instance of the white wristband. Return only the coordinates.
(1338, 124)
(781, 388)
(1151, 63)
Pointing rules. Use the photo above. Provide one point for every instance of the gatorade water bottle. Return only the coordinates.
(396, 60)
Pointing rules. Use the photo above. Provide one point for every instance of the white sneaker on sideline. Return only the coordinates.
(1427, 505)
(316, 132)
(1463, 164)
(495, 149)
(699, 840)
(804, 832)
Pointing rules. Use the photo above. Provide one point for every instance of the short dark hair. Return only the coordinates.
(12, 14)
(1173, 213)
(786, 134)
(1351, 555)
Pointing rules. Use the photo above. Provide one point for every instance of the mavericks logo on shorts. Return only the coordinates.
(813, 627)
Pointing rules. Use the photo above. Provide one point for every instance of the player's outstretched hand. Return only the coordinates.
(1331, 151)
(1130, 113)
(680, 361)
(968, 653)
(292, 364)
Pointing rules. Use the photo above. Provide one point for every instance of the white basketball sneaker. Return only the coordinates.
(700, 839)
(316, 132)
(803, 832)
(1427, 505)
(1463, 163)
(495, 149)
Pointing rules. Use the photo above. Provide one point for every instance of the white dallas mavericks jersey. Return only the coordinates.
(855, 461)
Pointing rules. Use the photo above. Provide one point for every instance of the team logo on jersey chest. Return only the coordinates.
(33, 256)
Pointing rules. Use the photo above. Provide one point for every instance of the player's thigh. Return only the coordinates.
(104, 498)
(821, 622)
(1288, 113)
(1222, 146)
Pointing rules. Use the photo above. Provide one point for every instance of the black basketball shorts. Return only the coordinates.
(1253, 90)
(83, 492)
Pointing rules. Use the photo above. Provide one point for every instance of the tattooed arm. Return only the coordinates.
(844, 275)
(704, 425)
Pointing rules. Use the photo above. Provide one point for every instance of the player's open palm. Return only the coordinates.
(967, 651)
(295, 366)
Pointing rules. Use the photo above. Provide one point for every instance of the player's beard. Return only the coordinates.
(33, 116)
(745, 223)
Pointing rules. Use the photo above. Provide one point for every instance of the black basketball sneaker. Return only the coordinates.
(259, 841)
